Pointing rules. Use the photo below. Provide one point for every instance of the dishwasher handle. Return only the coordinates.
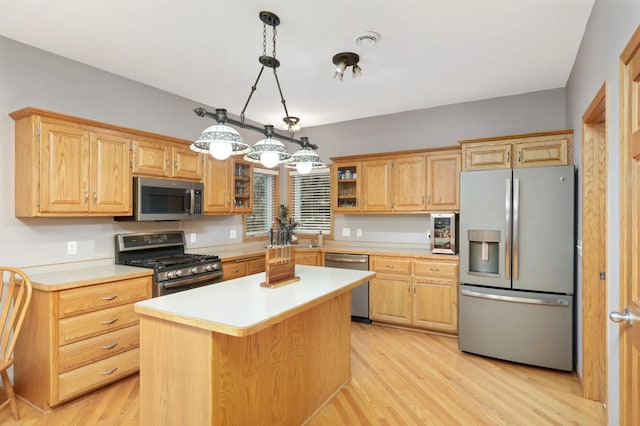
(344, 259)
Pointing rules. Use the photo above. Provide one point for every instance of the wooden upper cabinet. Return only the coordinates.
(553, 148)
(443, 181)
(217, 187)
(162, 159)
(66, 168)
(228, 186)
(397, 182)
(64, 174)
(409, 183)
(110, 178)
(376, 185)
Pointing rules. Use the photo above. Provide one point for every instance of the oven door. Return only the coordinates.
(181, 284)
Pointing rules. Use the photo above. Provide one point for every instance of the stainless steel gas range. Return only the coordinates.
(174, 270)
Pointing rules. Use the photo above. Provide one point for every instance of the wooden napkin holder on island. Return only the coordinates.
(280, 268)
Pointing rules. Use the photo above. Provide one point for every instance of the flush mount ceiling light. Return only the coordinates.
(305, 159)
(344, 60)
(367, 39)
(221, 140)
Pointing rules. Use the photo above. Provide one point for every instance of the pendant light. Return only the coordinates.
(305, 159)
(269, 152)
(220, 140)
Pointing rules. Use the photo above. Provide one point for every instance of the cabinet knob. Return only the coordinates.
(86, 196)
(95, 197)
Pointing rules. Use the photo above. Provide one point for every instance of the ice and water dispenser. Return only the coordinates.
(484, 252)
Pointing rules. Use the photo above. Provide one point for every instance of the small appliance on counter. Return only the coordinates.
(444, 233)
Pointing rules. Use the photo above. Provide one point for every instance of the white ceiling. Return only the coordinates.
(432, 52)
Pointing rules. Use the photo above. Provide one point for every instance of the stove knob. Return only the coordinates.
(170, 274)
(178, 273)
(208, 268)
(194, 270)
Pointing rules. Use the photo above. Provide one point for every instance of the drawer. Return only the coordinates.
(255, 265)
(436, 269)
(94, 323)
(96, 348)
(91, 298)
(390, 265)
(231, 270)
(83, 379)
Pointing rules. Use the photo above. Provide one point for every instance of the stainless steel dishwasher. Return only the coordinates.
(360, 294)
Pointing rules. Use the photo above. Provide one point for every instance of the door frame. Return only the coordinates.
(595, 143)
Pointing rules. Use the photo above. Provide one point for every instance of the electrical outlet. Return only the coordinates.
(233, 234)
(358, 232)
(346, 232)
(72, 247)
(193, 237)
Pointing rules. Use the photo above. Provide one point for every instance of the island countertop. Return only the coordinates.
(241, 307)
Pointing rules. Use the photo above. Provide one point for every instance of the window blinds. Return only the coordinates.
(311, 201)
(265, 203)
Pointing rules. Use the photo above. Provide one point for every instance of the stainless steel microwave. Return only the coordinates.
(165, 199)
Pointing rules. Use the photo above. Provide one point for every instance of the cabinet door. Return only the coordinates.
(151, 158)
(487, 157)
(231, 270)
(435, 304)
(408, 183)
(187, 164)
(376, 186)
(345, 188)
(217, 176)
(255, 265)
(308, 258)
(110, 174)
(443, 182)
(64, 171)
(553, 152)
(391, 299)
(242, 186)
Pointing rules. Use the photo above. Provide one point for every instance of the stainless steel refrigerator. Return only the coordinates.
(516, 288)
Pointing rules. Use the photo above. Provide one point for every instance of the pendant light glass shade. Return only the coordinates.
(220, 140)
(268, 151)
(305, 159)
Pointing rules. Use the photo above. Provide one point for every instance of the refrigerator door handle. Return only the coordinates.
(516, 228)
(514, 299)
(507, 241)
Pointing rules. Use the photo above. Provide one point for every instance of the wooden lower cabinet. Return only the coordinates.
(308, 257)
(76, 340)
(242, 267)
(420, 293)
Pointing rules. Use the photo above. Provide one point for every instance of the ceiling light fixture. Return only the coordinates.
(305, 159)
(344, 60)
(368, 39)
(221, 140)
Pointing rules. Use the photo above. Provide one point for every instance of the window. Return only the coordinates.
(310, 203)
(265, 203)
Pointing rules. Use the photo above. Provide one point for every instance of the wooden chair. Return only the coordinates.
(15, 296)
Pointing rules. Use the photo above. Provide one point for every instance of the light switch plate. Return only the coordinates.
(193, 237)
(346, 232)
(233, 234)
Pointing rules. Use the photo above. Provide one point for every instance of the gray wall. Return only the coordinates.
(610, 26)
(32, 77)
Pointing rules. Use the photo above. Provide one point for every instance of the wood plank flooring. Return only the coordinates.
(399, 378)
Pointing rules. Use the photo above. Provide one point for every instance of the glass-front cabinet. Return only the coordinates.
(346, 187)
(242, 186)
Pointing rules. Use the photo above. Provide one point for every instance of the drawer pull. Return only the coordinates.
(111, 346)
(106, 373)
(434, 269)
(110, 321)
(390, 266)
(107, 298)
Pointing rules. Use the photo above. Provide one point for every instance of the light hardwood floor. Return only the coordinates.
(399, 378)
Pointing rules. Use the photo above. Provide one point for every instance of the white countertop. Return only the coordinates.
(79, 277)
(242, 307)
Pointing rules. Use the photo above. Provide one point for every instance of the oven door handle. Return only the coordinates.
(187, 281)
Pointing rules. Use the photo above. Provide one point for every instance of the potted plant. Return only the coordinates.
(286, 223)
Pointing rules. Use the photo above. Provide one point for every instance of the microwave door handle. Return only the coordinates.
(192, 201)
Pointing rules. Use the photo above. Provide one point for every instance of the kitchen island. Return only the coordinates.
(239, 353)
